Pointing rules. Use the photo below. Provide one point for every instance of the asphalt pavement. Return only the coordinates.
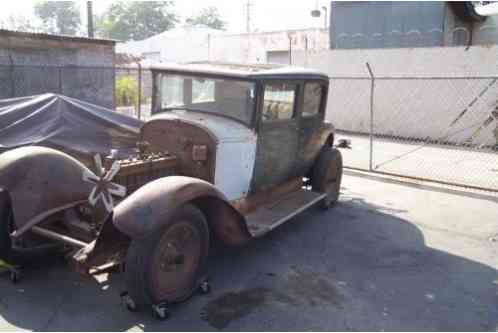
(386, 257)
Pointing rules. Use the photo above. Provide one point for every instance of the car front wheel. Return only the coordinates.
(166, 266)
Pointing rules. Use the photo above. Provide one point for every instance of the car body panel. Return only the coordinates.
(235, 149)
(41, 179)
(150, 207)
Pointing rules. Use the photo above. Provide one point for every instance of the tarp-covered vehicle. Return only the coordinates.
(231, 152)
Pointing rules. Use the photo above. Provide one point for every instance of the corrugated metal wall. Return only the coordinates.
(375, 24)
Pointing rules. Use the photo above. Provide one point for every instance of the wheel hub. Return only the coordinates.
(175, 260)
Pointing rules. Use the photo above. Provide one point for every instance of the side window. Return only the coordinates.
(202, 90)
(312, 99)
(172, 91)
(279, 101)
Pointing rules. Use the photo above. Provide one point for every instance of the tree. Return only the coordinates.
(136, 20)
(59, 17)
(17, 23)
(210, 17)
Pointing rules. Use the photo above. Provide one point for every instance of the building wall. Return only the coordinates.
(255, 47)
(30, 66)
(405, 24)
(178, 45)
(201, 44)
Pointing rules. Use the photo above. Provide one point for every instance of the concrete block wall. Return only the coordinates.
(34, 65)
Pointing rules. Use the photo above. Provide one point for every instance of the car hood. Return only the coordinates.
(222, 128)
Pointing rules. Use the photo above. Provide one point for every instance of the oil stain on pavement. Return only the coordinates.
(296, 288)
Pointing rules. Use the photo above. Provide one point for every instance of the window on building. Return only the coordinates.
(279, 101)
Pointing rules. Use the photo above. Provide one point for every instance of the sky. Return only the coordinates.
(266, 15)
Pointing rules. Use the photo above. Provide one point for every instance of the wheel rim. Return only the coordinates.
(175, 261)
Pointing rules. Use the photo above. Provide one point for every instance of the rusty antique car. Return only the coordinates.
(229, 153)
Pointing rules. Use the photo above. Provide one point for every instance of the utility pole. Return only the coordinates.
(89, 13)
(248, 6)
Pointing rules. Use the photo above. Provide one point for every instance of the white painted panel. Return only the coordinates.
(235, 166)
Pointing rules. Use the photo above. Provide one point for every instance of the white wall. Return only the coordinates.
(412, 108)
(253, 48)
(201, 44)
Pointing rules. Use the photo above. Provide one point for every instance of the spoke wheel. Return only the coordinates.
(175, 260)
(166, 267)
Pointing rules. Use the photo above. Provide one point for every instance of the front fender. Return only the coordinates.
(151, 206)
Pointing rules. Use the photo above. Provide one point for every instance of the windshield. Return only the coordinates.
(226, 97)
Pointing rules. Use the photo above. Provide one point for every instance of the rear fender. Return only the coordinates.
(41, 181)
(150, 207)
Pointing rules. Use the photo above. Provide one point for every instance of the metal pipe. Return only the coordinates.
(139, 111)
(429, 180)
(325, 16)
(372, 87)
(58, 237)
(89, 14)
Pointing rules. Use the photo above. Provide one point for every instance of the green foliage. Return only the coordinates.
(59, 17)
(127, 91)
(136, 20)
(210, 17)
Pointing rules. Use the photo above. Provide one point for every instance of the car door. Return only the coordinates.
(278, 134)
(311, 116)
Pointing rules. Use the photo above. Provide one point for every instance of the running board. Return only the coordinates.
(270, 216)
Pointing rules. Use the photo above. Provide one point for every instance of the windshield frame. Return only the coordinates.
(157, 96)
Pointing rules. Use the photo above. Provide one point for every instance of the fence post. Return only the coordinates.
(139, 110)
(372, 88)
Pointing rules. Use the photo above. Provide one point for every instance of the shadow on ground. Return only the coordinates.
(355, 267)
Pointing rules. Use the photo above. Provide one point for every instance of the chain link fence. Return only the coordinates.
(441, 129)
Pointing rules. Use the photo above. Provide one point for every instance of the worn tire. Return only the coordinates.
(327, 175)
(145, 279)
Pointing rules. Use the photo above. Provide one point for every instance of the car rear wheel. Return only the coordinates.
(167, 266)
(327, 175)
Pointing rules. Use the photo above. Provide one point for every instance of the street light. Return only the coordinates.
(318, 13)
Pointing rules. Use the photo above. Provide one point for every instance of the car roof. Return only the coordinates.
(242, 71)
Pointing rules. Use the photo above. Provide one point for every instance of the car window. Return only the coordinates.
(226, 97)
(312, 99)
(279, 101)
(172, 91)
(202, 91)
